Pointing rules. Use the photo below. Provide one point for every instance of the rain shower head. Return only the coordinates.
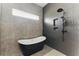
(60, 10)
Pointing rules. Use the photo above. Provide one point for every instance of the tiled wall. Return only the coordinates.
(0, 28)
(14, 28)
(71, 41)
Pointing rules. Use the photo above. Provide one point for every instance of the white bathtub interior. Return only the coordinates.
(32, 40)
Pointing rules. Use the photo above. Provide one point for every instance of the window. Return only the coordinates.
(23, 14)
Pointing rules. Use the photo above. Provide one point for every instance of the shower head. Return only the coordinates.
(60, 10)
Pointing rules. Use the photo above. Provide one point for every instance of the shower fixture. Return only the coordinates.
(60, 10)
(61, 15)
(54, 23)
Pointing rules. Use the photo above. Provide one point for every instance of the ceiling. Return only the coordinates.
(41, 4)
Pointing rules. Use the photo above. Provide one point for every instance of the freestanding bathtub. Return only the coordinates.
(30, 46)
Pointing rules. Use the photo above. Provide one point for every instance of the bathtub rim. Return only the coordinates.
(32, 41)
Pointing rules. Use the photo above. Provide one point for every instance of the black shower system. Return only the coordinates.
(63, 23)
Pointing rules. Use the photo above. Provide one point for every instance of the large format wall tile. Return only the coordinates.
(71, 38)
(14, 27)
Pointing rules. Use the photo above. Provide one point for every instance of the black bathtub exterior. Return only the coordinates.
(28, 50)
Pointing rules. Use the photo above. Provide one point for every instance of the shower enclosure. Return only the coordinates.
(54, 29)
(66, 41)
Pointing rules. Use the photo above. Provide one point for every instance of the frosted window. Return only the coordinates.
(20, 13)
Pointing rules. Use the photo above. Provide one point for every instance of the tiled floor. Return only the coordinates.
(48, 51)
